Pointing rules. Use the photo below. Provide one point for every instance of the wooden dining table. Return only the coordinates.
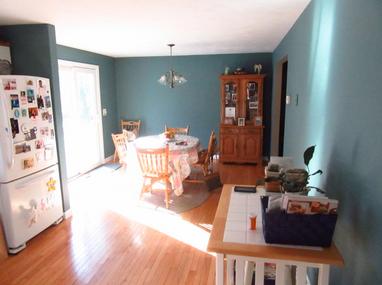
(183, 152)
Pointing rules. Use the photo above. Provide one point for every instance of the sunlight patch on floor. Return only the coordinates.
(207, 227)
(170, 225)
(118, 191)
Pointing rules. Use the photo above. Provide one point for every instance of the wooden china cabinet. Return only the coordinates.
(241, 118)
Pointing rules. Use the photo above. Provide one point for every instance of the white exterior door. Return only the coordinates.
(82, 119)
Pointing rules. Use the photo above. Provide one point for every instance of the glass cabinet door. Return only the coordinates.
(253, 110)
(230, 102)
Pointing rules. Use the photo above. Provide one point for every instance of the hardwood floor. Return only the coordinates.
(111, 240)
(240, 173)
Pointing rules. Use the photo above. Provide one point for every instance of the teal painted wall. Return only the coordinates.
(107, 87)
(196, 103)
(33, 51)
(334, 61)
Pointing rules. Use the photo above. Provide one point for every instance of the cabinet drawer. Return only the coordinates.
(250, 131)
(241, 130)
(229, 130)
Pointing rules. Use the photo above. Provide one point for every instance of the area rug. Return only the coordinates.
(194, 195)
(108, 167)
(103, 169)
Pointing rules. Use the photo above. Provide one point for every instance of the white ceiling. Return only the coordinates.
(121, 28)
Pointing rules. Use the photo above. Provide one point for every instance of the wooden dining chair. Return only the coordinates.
(132, 126)
(154, 167)
(129, 136)
(178, 131)
(205, 156)
(120, 143)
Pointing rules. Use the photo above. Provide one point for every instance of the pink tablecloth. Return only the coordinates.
(181, 156)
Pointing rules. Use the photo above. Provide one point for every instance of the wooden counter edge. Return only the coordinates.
(329, 255)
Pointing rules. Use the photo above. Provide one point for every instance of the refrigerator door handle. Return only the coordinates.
(7, 130)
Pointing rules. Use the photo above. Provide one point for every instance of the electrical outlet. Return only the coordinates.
(104, 112)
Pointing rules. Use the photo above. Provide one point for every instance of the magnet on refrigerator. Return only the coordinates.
(30, 95)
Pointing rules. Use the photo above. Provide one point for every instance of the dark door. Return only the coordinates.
(282, 106)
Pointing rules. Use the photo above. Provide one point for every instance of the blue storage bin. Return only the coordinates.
(296, 229)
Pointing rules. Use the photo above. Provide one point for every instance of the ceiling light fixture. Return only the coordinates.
(171, 78)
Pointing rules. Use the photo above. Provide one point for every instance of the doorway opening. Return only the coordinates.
(279, 108)
(81, 113)
(284, 77)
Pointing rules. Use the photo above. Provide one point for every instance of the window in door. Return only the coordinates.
(82, 120)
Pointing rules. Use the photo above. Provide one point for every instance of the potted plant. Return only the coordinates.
(296, 180)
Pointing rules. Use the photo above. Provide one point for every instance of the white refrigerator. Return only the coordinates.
(30, 194)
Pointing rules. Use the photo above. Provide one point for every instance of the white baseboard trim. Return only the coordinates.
(68, 214)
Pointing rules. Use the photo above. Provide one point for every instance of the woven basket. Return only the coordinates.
(296, 229)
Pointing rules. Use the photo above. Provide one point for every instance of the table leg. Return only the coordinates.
(259, 269)
(239, 271)
(301, 274)
(230, 270)
(281, 270)
(323, 275)
(248, 272)
(219, 274)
